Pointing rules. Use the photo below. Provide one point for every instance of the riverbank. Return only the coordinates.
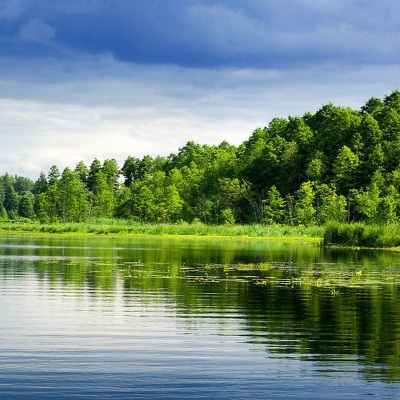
(132, 228)
(355, 235)
(362, 235)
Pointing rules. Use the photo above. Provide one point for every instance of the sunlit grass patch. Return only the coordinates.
(255, 266)
(196, 229)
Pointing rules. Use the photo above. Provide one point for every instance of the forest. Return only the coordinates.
(337, 164)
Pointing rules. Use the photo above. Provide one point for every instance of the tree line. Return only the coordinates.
(336, 164)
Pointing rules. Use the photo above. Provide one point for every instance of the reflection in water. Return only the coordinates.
(126, 318)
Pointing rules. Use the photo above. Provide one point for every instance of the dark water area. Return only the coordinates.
(166, 318)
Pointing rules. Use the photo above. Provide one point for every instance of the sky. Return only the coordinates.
(85, 79)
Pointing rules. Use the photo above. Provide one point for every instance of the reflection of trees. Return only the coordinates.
(359, 323)
(61, 261)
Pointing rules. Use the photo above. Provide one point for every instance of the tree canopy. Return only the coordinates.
(336, 164)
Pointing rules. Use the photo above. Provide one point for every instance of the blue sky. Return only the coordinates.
(109, 79)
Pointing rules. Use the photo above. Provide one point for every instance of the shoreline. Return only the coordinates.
(324, 235)
(189, 231)
(22, 233)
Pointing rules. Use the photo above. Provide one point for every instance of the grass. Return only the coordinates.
(362, 235)
(126, 227)
(351, 235)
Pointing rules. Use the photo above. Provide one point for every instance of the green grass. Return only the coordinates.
(126, 227)
(352, 235)
(362, 235)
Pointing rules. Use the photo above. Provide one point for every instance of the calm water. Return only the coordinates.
(167, 319)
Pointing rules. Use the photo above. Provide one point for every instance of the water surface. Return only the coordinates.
(156, 318)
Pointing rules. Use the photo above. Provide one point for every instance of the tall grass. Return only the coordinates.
(126, 227)
(362, 235)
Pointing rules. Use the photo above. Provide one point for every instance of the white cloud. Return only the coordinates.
(97, 107)
(36, 31)
(12, 9)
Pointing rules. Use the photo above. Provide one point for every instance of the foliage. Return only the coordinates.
(304, 210)
(274, 207)
(337, 165)
(330, 206)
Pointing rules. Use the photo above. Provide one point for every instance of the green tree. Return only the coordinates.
(345, 169)
(144, 206)
(315, 170)
(135, 169)
(389, 122)
(53, 175)
(227, 217)
(388, 207)
(190, 191)
(375, 161)
(367, 201)
(11, 201)
(83, 171)
(304, 210)
(372, 105)
(41, 208)
(274, 207)
(123, 203)
(94, 169)
(232, 191)
(40, 186)
(302, 138)
(102, 200)
(393, 100)
(72, 196)
(289, 209)
(2, 190)
(3, 213)
(130, 170)
(203, 209)
(330, 206)
(22, 184)
(191, 152)
(370, 131)
(250, 150)
(334, 127)
(52, 195)
(110, 170)
(25, 206)
(173, 203)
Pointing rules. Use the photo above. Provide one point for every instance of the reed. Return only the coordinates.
(127, 227)
(362, 235)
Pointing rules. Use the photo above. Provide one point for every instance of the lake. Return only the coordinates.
(127, 318)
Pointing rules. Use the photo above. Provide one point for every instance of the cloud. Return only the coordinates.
(218, 33)
(93, 78)
(61, 112)
(12, 9)
(36, 31)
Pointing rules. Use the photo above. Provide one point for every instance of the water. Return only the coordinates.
(166, 319)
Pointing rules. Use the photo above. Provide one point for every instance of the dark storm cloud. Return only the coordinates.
(205, 33)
